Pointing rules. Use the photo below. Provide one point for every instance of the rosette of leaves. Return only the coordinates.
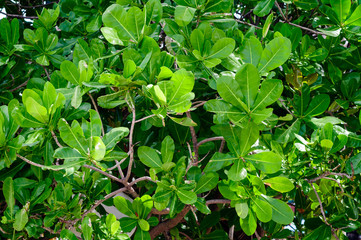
(85, 143)
(137, 213)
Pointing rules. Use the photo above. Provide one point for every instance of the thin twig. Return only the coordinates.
(280, 10)
(96, 109)
(33, 163)
(246, 23)
(34, 6)
(131, 149)
(222, 145)
(118, 164)
(304, 28)
(323, 175)
(209, 140)
(339, 184)
(18, 16)
(56, 139)
(46, 72)
(20, 86)
(194, 139)
(102, 172)
(139, 120)
(320, 203)
(231, 232)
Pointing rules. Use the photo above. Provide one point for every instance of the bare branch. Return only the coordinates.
(209, 140)
(149, 116)
(328, 174)
(56, 139)
(33, 163)
(194, 139)
(131, 147)
(102, 172)
(18, 16)
(321, 206)
(20, 86)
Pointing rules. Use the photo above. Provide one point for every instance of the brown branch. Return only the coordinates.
(46, 72)
(96, 109)
(20, 86)
(209, 140)
(194, 139)
(246, 23)
(18, 16)
(102, 172)
(33, 163)
(35, 6)
(131, 147)
(321, 206)
(280, 10)
(169, 224)
(56, 139)
(323, 175)
(222, 146)
(139, 120)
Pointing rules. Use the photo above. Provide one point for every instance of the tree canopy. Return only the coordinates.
(218, 119)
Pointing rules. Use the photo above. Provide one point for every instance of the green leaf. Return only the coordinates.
(275, 54)
(73, 136)
(21, 219)
(219, 161)
(111, 138)
(356, 164)
(111, 35)
(183, 82)
(270, 91)
(249, 224)
(263, 210)
(267, 25)
(237, 172)
(124, 206)
(197, 40)
(267, 162)
(143, 224)
(186, 197)
(149, 157)
(129, 68)
(207, 182)
(49, 95)
(281, 212)
(242, 209)
(318, 105)
(97, 153)
(8, 191)
(306, 5)
(322, 232)
(87, 230)
(76, 99)
(67, 235)
(263, 7)
(70, 72)
(183, 15)
(36, 110)
(251, 50)
(115, 17)
(201, 206)
(222, 48)
(249, 81)
(167, 149)
(355, 18)
(135, 21)
(185, 121)
(141, 235)
(127, 224)
(162, 196)
(229, 89)
(280, 184)
(68, 153)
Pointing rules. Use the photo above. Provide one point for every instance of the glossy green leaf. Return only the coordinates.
(263, 7)
(249, 81)
(251, 50)
(263, 210)
(127, 224)
(183, 15)
(229, 89)
(318, 105)
(76, 99)
(112, 137)
(280, 184)
(68, 153)
(281, 212)
(167, 149)
(242, 209)
(99, 149)
(275, 54)
(21, 219)
(323, 231)
(237, 172)
(124, 206)
(111, 35)
(70, 72)
(249, 224)
(135, 21)
(149, 157)
(267, 162)
(197, 40)
(355, 18)
(218, 161)
(222, 48)
(270, 91)
(207, 182)
(73, 136)
(142, 235)
(36, 110)
(143, 224)
(87, 230)
(186, 197)
(8, 191)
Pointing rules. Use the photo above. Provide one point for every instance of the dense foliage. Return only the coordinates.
(219, 119)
